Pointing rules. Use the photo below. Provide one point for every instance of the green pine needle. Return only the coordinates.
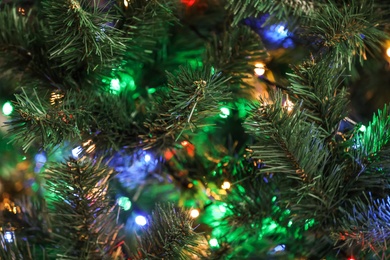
(170, 235)
(82, 214)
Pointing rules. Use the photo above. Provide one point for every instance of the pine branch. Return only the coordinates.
(191, 96)
(364, 146)
(146, 23)
(81, 36)
(325, 103)
(365, 223)
(234, 52)
(287, 142)
(100, 119)
(347, 31)
(170, 235)
(83, 218)
(281, 9)
(16, 30)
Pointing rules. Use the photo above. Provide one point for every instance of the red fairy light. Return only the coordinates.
(188, 3)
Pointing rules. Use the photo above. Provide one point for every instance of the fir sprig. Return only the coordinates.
(235, 52)
(170, 235)
(190, 97)
(347, 32)
(81, 210)
(324, 100)
(288, 143)
(281, 10)
(81, 33)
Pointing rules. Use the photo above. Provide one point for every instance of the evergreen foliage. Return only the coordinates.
(304, 181)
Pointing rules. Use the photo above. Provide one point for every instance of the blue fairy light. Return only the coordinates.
(40, 160)
(140, 220)
(147, 158)
(278, 33)
(9, 236)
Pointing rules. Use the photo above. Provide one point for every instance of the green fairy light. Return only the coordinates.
(290, 223)
(7, 108)
(309, 223)
(214, 242)
(225, 112)
(222, 208)
(151, 90)
(124, 202)
(362, 128)
(115, 85)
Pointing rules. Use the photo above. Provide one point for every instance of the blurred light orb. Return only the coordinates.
(225, 185)
(194, 213)
(7, 108)
(260, 69)
(140, 220)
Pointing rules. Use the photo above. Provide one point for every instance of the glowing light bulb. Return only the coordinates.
(8, 236)
(115, 85)
(260, 69)
(76, 151)
(7, 108)
(222, 208)
(140, 220)
(213, 242)
(194, 213)
(362, 128)
(388, 52)
(124, 202)
(225, 185)
(289, 105)
(225, 112)
(126, 3)
(147, 158)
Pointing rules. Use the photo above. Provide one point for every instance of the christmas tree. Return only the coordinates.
(194, 129)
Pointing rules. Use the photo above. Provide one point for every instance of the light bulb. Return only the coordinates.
(225, 185)
(194, 213)
(140, 220)
(260, 69)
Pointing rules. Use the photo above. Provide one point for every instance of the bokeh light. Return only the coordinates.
(124, 202)
(7, 108)
(225, 112)
(194, 213)
(140, 220)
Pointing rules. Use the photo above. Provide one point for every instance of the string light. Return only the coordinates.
(351, 258)
(9, 236)
(194, 213)
(115, 85)
(225, 185)
(140, 220)
(213, 242)
(56, 98)
(260, 69)
(362, 128)
(225, 112)
(289, 105)
(7, 108)
(124, 202)
(184, 143)
(188, 3)
(388, 52)
(126, 3)
(147, 158)
(76, 151)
